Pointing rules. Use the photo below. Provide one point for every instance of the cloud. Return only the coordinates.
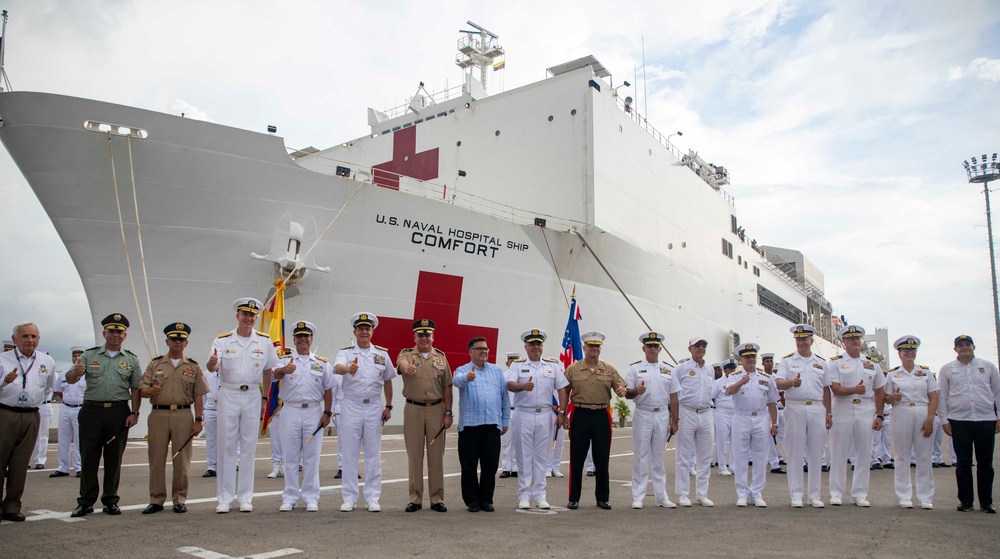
(984, 69)
(180, 106)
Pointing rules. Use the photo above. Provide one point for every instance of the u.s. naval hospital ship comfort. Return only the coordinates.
(481, 212)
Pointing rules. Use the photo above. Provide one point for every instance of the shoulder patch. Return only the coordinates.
(379, 347)
(323, 359)
(264, 334)
(346, 347)
(636, 363)
(225, 335)
(789, 355)
(835, 357)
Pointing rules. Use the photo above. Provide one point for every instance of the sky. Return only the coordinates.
(844, 124)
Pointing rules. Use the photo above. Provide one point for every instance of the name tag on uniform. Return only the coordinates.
(230, 351)
(817, 366)
(525, 370)
(897, 375)
(762, 382)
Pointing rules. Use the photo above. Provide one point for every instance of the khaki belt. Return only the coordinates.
(592, 406)
(425, 404)
(306, 405)
(172, 407)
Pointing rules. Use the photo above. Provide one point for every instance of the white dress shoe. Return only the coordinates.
(524, 504)
(726, 472)
(817, 504)
(684, 501)
(836, 501)
(286, 507)
(705, 501)
(927, 506)
(348, 506)
(758, 501)
(374, 507)
(906, 504)
(542, 504)
(312, 507)
(557, 473)
(637, 504)
(222, 508)
(862, 502)
(797, 504)
(246, 507)
(275, 472)
(548, 474)
(666, 503)
(741, 502)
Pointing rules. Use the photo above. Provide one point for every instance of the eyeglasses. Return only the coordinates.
(423, 334)
(481, 349)
(701, 345)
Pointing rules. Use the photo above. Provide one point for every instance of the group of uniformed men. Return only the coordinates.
(846, 398)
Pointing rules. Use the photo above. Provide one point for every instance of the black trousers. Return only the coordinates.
(97, 426)
(590, 429)
(978, 436)
(479, 445)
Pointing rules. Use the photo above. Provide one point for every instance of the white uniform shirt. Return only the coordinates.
(211, 399)
(968, 392)
(848, 372)
(35, 378)
(657, 377)
(338, 392)
(693, 384)
(723, 401)
(71, 393)
(312, 378)
(914, 385)
(244, 360)
(755, 395)
(374, 369)
(810, 370)
(547, 376)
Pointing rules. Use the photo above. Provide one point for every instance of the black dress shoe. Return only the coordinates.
(825, 468)
(413, 507)
(39, 467)
(81, 511)
(340, 474)
(57, 473)
(964, 507)
(208, 473)
(79, 474)
(936, 465)
(572, 505)
(152, 508)
(504, 474)
(439, 507)
(989, 509)
(782, 463)
(113, 510)
(876, 466)
(889, 466)
(805, 468)
(180, 507)
(778, 470)
(591, 474)
(513, 474)
(604, 505)
(488, 507)
(474, 507)
(945, 465)
(18, 517)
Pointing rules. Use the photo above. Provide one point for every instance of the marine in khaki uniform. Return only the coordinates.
(427, 390)
(173, 383)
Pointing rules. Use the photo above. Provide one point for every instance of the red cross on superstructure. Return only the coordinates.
(439, 298)
(406, 161)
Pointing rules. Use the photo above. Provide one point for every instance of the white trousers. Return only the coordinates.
(649, 435)
(340, 449)
(907, 440)
(211, 437)
(42, 442)
(274, 432)
(69, 438)
(556, 460)
(723, 434)
(695, 433)
(882, 442)
(852, 426)
(533, 441)
(361, 428)
(751, 439)
(508, 452)
(297, 425)
(238, 424)
(805, 437)
(773, 456)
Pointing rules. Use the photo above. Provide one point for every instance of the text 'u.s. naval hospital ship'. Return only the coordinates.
(481, 212)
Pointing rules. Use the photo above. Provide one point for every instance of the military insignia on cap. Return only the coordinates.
(653, 336)
(118, 317)
(534, 332)
(363, 317)
(179, 326)
(300, 325)
(424, 322)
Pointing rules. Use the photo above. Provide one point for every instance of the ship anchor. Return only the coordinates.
(287, 248)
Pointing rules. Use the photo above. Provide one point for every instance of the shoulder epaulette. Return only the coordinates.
(379, 347)
(158, 357)
(835, 357)
(192, 360)
(95, 347)
(323, 359)
(130, 353)
(265, 334)
(820, 358)
(550, 360)
(789, 355)
(436, 350)
(518, 361)
(925, 367)
(407, 350)
(894, 368)
(225, 335)
(346, 347)
(764, 373)
(636, 363)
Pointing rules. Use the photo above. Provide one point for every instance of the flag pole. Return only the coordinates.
(3, 50)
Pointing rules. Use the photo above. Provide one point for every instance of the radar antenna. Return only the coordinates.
(478, 49)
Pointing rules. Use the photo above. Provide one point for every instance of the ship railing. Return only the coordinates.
(448, 195)
(784, 271)
(435, 98)
(709, 178)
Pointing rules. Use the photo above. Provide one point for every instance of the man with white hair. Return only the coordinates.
(26, 377)
(69, 425)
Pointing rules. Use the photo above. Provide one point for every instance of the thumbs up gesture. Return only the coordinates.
(471, 376)
(746, 378)
(797, 381)
(354, 366)
(157, 387)
(860, 388)
(213, 361)
(529, 386)
(11, 376)
(897, 397)
(406, 367)
(641, 389)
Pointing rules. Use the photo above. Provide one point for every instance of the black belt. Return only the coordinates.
(97, 404)
(17, 409)
(425, 404)
(72, 405)
(172, 407)
(47, 402)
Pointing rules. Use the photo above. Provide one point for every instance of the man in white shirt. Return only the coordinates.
(968, 399)
(69, 425)
(691, 396)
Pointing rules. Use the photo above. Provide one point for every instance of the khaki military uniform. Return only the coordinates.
(171, 421)
(591, 424)
(422, 419)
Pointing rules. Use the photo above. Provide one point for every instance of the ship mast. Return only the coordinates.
(3, 49)
(478, 49)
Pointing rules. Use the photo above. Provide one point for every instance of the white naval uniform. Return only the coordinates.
(723, 421)
(752, 431)
(773, 455)
(40, 451)
(338, 400)
(302, 408)
(696, 426)
(273, 433)
(882, 441)
(910, 413)
(650, 426)
(508, 451)
(805, 423)
(361, 424)
(242, 362)
(853, 417)
(532, 423)
(69, 426)
(210, 417)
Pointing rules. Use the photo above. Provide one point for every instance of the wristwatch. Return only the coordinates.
(135, 413)
(388, 407)
(328, 413)
(881, 418)
(198, 419)
(448, 413)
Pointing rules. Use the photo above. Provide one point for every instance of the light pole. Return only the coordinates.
(984, 172)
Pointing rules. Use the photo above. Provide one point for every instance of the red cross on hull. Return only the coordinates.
(406, 161)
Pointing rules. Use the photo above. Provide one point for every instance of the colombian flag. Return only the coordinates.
(274, 318)
(499, 65)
